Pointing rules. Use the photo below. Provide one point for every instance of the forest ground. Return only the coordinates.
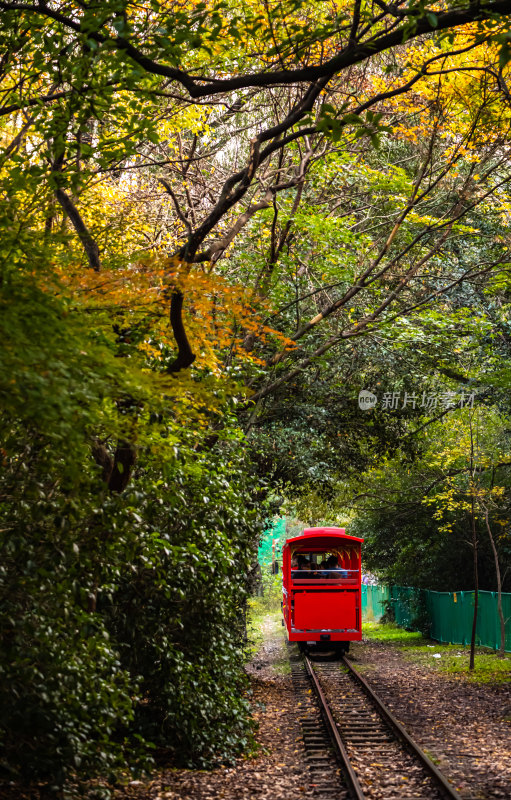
(462, 721)
(464, 725)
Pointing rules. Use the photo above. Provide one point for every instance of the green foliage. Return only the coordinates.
(65, 698)
(271, 596)
(66, 701)
(179, 617)
(121, 615)
(122, 618)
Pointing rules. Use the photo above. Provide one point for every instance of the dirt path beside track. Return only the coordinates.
(465, 727)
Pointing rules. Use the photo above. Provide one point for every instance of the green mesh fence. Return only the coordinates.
(373, 602)
(488, 619)
(452, 615)
(275, 531)
(445, 616)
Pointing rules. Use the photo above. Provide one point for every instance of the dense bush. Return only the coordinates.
(179, 616)
(122, 617)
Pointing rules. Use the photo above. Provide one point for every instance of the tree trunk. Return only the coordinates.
(474, 545)
(476, 589)
(502, 647)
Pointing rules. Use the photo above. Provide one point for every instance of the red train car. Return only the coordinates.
(321, 576)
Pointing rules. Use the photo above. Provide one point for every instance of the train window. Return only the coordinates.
(324, 565)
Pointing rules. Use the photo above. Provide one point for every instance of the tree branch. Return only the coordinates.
(199, 86)
(185, 356)
(89, 244)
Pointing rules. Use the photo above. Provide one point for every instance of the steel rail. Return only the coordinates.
(343, 757)
(441, 781)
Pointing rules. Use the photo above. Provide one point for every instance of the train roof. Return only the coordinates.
(320, 533)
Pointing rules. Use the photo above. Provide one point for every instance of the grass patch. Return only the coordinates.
(451, 659)
(264, 611)
(255, 617)
(263, 624)
(392, 634)
(261, 621)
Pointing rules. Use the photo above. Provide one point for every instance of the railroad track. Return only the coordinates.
(354, 746)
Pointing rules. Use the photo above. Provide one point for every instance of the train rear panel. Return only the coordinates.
(319, 604)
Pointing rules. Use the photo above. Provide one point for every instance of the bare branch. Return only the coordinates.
(177, 207)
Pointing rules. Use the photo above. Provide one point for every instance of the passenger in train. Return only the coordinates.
(302, 567)
(322, 571)
(334, 570)
(318, 570)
